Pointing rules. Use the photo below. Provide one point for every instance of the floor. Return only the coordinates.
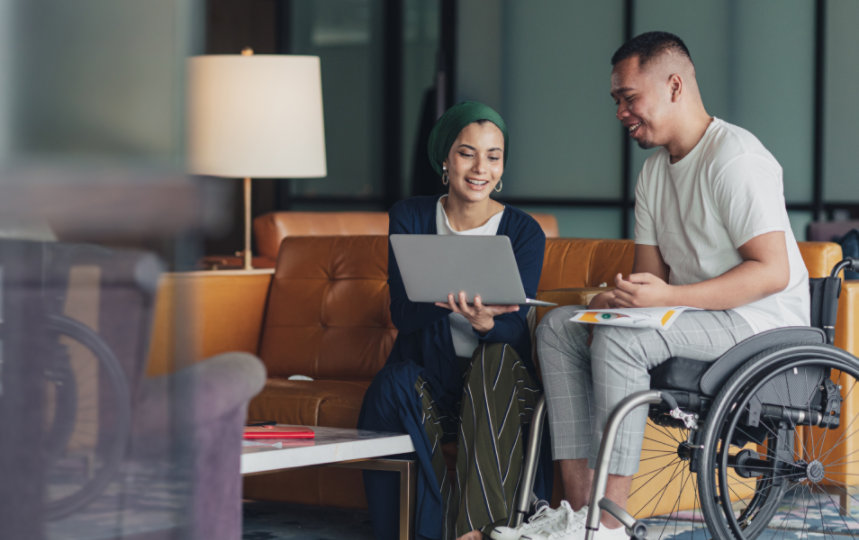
(270, 521)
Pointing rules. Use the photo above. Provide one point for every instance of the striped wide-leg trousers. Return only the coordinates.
(498, 401)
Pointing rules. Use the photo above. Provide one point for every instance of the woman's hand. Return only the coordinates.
(481, 317)
(604, 300)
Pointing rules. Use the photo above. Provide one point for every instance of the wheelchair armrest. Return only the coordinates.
(726, 364)
(679, 373)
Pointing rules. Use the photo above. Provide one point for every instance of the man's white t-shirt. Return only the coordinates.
(698, 211)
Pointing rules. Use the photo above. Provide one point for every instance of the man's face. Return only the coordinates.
(641, 100)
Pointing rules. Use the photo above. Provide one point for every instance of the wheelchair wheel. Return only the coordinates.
(665, 488)
(89, 416)
(780, 448)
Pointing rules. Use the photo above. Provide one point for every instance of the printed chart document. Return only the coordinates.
(652, 317)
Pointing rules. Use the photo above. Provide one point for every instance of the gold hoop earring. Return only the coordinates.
(445, 179)
(499, 186)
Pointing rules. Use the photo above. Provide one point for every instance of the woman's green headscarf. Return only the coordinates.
(447, 129)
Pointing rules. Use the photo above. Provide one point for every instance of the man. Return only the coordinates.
(711, 232)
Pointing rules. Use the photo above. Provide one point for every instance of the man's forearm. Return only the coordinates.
(745, 283)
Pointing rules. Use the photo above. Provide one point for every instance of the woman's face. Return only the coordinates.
(475, 162)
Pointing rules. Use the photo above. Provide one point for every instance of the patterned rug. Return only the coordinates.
(805, 515)
(270, 521)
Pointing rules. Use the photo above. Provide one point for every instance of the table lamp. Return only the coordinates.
(255, 116)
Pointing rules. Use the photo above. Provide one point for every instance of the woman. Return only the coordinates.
(432, 386)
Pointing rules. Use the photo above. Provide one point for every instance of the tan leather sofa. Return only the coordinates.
(324, 314)
(271, 228)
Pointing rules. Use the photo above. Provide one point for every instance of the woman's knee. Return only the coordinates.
(384, 398)
(489, 356)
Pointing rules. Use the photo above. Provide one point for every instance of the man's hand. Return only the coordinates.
(482, 318)
(642, 289)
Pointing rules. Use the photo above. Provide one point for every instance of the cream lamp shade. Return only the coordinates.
(255, 116)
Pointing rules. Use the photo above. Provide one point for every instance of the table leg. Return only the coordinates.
(407, 470)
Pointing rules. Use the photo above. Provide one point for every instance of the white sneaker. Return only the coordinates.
(604, 533)
(544, 521)
(574, 529)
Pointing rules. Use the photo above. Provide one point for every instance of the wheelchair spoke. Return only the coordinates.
(845, 434)
(669, 448)
(675, 435)
(653, 474)
(782, 521)
(661, 455)
(672, 522)
(819, 505)
(676, 507)
(842, 461)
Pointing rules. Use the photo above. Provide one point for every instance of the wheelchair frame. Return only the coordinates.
(714, 390)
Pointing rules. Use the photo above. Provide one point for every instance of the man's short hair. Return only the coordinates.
(648, 46)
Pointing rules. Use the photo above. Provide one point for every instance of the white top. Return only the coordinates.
(698, 211)
(463, 335)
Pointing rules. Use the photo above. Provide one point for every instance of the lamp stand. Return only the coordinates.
(246, 254)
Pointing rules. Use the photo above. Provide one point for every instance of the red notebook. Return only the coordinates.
(278, 432)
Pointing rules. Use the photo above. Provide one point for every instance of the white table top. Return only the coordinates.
(330, 445)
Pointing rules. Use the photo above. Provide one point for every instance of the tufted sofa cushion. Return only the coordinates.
(327, 315)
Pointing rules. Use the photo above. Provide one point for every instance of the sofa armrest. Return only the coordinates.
(201, 314)
(847, 327)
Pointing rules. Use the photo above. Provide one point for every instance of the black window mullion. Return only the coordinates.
(819, 88)
(392, 69)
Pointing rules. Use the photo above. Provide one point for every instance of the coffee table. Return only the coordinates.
(340, 447)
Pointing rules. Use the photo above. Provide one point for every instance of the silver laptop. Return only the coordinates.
(433, 266)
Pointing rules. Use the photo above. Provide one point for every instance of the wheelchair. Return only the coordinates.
(761, 442)
(74, 383)
(83, 445)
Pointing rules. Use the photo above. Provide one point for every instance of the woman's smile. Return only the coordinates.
(477, 183)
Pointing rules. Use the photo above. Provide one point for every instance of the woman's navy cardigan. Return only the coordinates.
(424, 329)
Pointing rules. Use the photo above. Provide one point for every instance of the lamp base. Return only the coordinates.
(246, 254)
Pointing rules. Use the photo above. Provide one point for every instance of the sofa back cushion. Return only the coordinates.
(327, 313)
(328, 309)
(586, 262)
(272, 227)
